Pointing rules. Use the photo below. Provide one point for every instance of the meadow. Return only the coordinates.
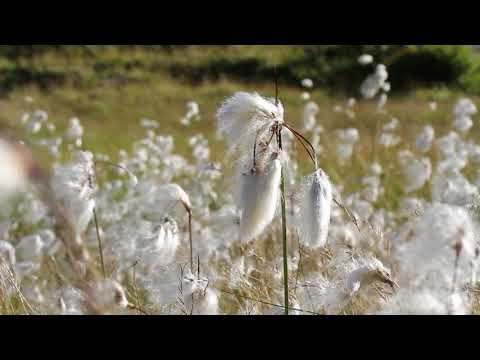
(106, 232)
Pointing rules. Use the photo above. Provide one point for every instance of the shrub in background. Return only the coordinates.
(333, 67)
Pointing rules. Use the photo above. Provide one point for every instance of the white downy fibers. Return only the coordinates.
(243, 115)
(171, 194)
(73, 191)
(260, 192)
(435, 235)
(162, 248)
(417, 173)
(315, 203)
(159, 202)
(425, 139)
(365, 59)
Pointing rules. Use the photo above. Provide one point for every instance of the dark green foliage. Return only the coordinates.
(433, 65)
(18, 76)
(333, 67)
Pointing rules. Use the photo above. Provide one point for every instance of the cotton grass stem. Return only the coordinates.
(190, 238)
(198, 265)
(100, 246)
(284, 209)
(284, 228)
(97, 229)
(285, 246)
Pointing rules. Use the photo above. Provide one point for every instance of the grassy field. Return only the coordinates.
(113, 94)
(111, 114)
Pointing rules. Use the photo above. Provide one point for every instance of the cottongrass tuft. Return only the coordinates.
(109, 295)
(170, 195)
(315, 201)
(259, 196)
(425, 139)
(73, 190)
(162, 247)
(244, 115)
(434, 236)
(365, 59)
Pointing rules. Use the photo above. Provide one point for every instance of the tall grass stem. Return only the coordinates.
(100, 246)
(284, 229)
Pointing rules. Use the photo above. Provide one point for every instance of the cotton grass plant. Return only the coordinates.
(263, 183)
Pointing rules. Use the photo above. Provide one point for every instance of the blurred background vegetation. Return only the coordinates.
(332, 67)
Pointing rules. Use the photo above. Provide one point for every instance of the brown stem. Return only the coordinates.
(255, 151)
(311, 152)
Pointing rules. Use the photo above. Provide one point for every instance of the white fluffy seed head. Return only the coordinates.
(305, 96)
(425, 139)
(375, 82)
(436, 234)
(30, 247)
(73, 191)
(416, 174)
(463, 124)
(448, 145)
(388, 139)
(132, 180)
(348, 136)
(310, 111)
(453, 189)
(307, 83)
(315, 201)
(243, 115)
(161, 247)
(372, 271)
(344, 151)
(75, 129)
(171, 194)
(260, 191)
(198, 297)
(365, 59)
(464, 107)
(34, 126)
(109, 294)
